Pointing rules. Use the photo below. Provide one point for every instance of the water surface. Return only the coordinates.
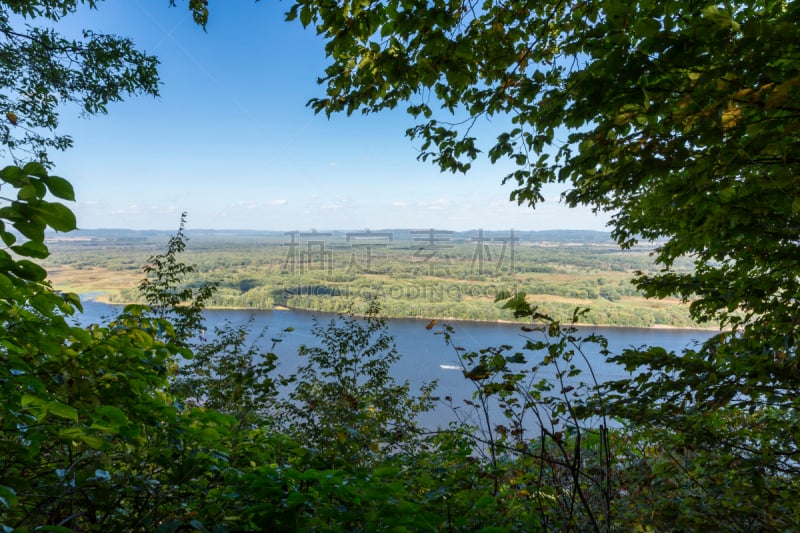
(426, 357)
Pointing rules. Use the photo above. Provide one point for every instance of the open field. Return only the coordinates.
(457, 277)
(93, 280)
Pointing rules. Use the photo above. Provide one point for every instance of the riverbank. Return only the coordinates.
(107, 298)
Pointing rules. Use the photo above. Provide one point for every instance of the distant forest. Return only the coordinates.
(423, 273)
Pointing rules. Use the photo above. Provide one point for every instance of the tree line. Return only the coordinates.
(254, 273)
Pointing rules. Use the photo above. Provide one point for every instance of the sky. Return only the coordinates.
(231, 141)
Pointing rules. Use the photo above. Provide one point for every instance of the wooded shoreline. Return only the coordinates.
(259, 271)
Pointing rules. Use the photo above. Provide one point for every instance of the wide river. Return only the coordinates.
(425, 356)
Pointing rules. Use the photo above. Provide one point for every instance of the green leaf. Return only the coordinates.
(30, 399)
(113, 417)
(6, 286)
(8, 238)
(483, 502)
(98, 443)
(30, 271)
(8, 497)
(32, 249)
(68, 302)
(13, 175)
(33, 230)
(386, 471)
(60, 188)
(35, 168)
(305, 16)
(516, 358)
(11, 212)
(27, 193)
(208, 435)
(63, 410)
(58, 216)
(648, 27)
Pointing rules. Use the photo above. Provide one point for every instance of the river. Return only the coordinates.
(425, 356)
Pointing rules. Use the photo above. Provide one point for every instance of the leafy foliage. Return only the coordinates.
(543, 430)
(89, 434)
(42, 70)
(344, 401)
(232, 374)
(666, 114)
(679, 119)
(166, 294)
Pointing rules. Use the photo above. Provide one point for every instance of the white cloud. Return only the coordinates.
(149, 209)
(131, 209)
(436, 205)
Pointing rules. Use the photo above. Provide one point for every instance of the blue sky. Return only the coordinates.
(231, 142)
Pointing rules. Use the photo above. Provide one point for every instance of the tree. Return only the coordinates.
(345, 402)
(169, 296)
(89, 435)
(41, 70)
(681, 119)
